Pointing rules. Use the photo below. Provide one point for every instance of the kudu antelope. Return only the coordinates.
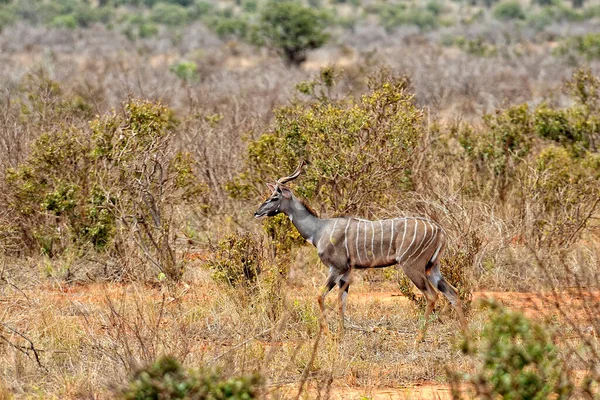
(416, 244)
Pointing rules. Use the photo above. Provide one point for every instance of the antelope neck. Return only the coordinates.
(307, 224)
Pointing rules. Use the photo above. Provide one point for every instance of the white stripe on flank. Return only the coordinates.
(420, 246)
(357, 232)
(411, 243)
(365, 242)
(403, 235)
(332, 232)
(391, 238)
(433, 236)
(346, 239)
(437, 252)
(372, 240)
(381, 242)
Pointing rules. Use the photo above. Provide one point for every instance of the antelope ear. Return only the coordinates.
(271, 187)
(286, 192)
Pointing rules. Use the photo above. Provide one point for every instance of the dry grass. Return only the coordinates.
(91, 337)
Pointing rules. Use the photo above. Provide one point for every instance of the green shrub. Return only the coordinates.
(283, 235)
(509, 10)
(167, 380)
(584, 87)
(64, 21)
(434, 7)
(561, 191)
(237, 261)
(226, 27)
(394, 15)
(545, 3)
(185, 70)
(169, 14)
(360, 152)
(63, 13)
(562, 126)
(517, 360)
(497, 149)
(587, 46)
(139, 27)
(477, 47)
(7, 16)
(292, 29)
(250, 6)
(90, 186)
(200, 8)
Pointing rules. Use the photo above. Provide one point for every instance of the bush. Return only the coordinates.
(64, 21)
(584, 87)
(292, 29)
(509, 10)
(394, 15)
(71, 13)
(498, 149)
(140, 27)
(185, 70)
(230, 26)
(169, 14)
(166, 380)
(7, 17)
(121, 177)
(562, 189)
(237, 260)
(587, 46)
(561, 126)
(360, 151)
(477, 47)
(517, 360)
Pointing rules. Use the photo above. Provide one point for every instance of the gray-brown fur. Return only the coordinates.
(414, 243)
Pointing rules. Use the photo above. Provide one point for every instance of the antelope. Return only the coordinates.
(414, 243)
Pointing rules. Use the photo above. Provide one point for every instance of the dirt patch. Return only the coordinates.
(421, 390)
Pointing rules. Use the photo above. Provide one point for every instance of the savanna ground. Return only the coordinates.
(134, 150)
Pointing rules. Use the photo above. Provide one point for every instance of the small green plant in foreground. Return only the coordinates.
(166, 379)
(518, 360)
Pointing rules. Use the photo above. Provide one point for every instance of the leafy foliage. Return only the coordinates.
(169, 14)
(566, 189)
(238, 260)
(185, 70)
(508, 10)
(95, 186)
(394, 15)
(586, 46)
(360, 151)
(292, 29)
(498, 148)
(518, 360)
(166, 379)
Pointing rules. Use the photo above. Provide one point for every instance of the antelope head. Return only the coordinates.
(280, 195)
